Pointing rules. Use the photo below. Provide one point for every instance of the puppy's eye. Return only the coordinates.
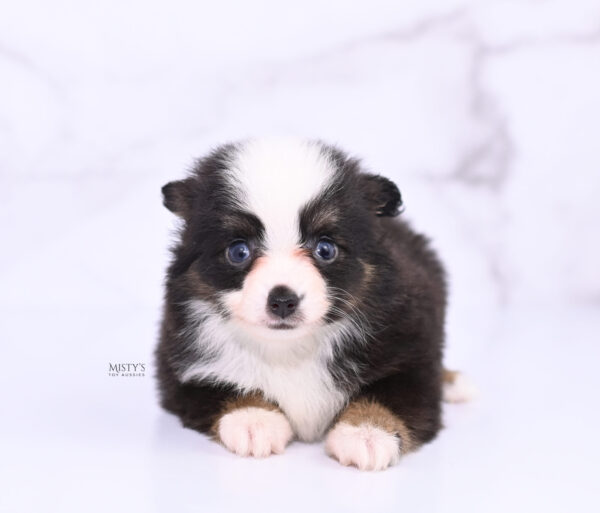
(238, 252)
(326, 250)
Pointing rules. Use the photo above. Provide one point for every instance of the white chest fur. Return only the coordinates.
(292, 373)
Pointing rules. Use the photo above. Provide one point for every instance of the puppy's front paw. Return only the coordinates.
(255, 431)
(366, 446)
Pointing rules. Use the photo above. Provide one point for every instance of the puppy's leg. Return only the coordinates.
(250, 426)
(246, 424)
(368, 435)
(388, 419)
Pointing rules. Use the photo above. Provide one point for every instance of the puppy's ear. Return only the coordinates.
(382, 195)
(178, 196)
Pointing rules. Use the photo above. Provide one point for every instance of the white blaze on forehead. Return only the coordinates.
(277, 178)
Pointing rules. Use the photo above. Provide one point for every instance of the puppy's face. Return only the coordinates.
(278, 233)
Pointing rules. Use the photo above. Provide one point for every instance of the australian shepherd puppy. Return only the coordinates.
(298, 306)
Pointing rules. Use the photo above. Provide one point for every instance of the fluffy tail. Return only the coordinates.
(457, 387)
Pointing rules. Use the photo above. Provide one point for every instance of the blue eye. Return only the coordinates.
(326, 250)
(238, 252)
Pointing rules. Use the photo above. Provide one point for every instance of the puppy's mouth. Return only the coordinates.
(274, 325)
(282, 325)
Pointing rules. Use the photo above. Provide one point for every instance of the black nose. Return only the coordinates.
(282, 301)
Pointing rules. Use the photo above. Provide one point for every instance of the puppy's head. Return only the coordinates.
(279, 235)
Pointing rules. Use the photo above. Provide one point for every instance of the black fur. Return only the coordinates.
(390, 271)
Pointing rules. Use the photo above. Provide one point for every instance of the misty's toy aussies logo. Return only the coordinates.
(127, 370)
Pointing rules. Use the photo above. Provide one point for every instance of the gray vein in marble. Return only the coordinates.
(26, 63)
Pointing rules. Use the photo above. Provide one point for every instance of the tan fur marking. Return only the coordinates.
(363, 411)
(449, 376)
(325, 220)
(198, 287)
(368, 274)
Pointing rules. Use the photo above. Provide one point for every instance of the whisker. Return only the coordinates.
(351, 305)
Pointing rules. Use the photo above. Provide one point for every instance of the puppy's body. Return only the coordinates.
(333, 318)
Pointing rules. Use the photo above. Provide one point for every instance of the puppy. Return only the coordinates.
(298, 306)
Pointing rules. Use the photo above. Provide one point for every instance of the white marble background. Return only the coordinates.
(486, 114)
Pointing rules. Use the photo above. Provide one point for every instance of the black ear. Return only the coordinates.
(178, 196)
(382, 195)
